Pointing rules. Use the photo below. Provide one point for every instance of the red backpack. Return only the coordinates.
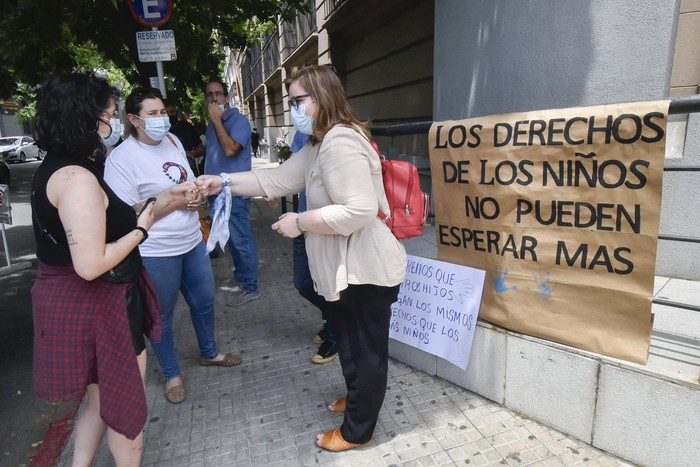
(408, 205)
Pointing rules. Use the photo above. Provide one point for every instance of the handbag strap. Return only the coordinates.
(171, 139)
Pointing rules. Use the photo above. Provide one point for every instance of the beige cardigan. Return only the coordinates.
(342, 176)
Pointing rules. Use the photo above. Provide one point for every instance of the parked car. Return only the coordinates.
(19, 148)
(5, 177)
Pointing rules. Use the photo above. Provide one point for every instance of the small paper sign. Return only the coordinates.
(437, 308)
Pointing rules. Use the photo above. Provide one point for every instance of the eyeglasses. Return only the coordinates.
(105, 117)
(213, 94)
(294, 100)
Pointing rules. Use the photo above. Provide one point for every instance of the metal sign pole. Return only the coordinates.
(4, 242)
(161, 74)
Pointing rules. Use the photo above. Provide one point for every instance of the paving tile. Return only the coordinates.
(440, 458)
(491, 419)
(519, 447)
(411, 446)
(382, 453)
(456, 434)
(569, 450)
(477, 453)
(552, 461)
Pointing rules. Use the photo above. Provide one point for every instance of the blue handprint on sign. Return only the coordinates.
(545, 289)
(499, 282)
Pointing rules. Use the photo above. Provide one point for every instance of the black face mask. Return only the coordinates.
(173, 119)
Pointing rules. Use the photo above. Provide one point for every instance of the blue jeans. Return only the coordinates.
(191, 274)
(305, 285)
(242, 245)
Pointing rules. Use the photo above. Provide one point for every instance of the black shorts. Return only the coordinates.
(136, 312)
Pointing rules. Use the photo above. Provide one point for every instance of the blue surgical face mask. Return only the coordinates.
(116, 133)
(222, 107)
(156, 127)
(301, 121)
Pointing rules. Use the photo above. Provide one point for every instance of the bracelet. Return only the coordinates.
(144, 232)
(302, 231)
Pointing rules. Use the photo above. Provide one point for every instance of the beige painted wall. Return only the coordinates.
(685, 77)
(389, 74)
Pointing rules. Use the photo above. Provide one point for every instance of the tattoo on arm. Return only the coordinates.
(69, 238)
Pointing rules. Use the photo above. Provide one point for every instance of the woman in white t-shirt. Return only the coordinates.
(150, 162)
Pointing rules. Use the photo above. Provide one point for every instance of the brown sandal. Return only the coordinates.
(176, 394)
(228, 361)
(339, 405)
(333, 440)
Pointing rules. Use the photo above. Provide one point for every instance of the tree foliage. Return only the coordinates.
(41, 37)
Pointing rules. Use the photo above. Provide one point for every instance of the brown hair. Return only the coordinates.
(134, 104)
(332, 106)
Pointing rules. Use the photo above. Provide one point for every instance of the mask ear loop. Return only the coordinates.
(133, 124)
(97, 130)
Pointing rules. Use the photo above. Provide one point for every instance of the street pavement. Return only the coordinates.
(268, 410)
(25, 418)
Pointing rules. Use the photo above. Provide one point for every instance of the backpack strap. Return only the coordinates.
(381, 214)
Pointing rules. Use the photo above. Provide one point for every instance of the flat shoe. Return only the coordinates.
(227, 361)
(333, 440)
(339, 405)
(176, 394)
(326, 353)
(320, 335)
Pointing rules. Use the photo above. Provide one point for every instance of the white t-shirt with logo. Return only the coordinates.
(136, 171)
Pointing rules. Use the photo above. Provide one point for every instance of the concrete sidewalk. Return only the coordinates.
(269, 410)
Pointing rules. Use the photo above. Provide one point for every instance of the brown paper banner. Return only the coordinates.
(561, 209)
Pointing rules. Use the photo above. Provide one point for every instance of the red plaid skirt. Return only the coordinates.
(82, 336)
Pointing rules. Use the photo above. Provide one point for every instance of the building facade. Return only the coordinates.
(404, 61)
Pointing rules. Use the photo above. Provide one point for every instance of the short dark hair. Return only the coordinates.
(134, 103)
(157, 92)
(220, 82)
(69, 107)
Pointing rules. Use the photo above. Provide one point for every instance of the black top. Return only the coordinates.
(255, 138)
(121, 218)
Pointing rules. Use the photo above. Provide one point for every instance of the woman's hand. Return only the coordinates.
(194, 199)
(185, 196)
(209, 184)
(147, 217)
(287, 225)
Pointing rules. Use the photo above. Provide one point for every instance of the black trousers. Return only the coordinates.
(361, 321)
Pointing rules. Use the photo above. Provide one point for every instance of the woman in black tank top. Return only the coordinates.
(82, 333)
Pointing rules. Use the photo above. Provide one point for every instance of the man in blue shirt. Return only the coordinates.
(228, 150)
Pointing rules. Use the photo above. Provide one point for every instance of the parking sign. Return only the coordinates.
(151, 13)
(157, 45)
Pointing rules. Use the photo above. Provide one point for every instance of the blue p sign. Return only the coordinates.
(151, 12)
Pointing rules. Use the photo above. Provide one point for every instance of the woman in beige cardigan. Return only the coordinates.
(356, 262)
